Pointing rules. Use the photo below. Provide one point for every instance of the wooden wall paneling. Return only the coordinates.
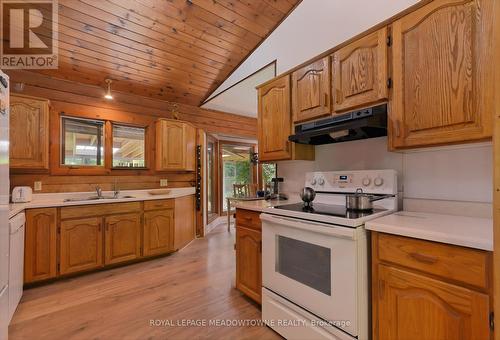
(188, 48)
(78, 95)
(184, 220)
(496, 163)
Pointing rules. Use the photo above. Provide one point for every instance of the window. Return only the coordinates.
(128, 147)
(268, 173)
(82, 142)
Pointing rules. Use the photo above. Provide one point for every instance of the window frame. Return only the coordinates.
(145, 128)
(56, 168)
(62, 138)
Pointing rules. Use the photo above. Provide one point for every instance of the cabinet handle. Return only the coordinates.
(326, 99)
(424, 258)
(99, 226)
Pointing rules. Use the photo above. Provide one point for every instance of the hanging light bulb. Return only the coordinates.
(108, 94)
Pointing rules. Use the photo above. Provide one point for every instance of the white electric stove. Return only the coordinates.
(315, 258)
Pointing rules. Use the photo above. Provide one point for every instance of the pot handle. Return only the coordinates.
(381, 198)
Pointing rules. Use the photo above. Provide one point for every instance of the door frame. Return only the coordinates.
(216, 172)
(255, 172)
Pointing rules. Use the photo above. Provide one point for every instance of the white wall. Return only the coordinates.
(242, 98)
(456, 173)
(312, 28)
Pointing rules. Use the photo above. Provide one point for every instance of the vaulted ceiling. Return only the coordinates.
(178, 50)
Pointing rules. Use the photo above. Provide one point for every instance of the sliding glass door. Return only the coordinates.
(212, 178)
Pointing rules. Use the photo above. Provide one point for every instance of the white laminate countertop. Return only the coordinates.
(57, 200)
(260, 205)
(463, 231)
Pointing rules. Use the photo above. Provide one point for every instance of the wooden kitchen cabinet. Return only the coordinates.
(175, 145)
(158, 232)
(29, 133)
(425, 290)
(249, 254)
(81, 244)
(442, 74)
(311, 91)
(184, 221)
(122, 235)
(360, 72)
(275, 124)
(40, 257)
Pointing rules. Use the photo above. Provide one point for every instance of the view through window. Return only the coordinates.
(82, 142)
(236, 168)
(128, 147)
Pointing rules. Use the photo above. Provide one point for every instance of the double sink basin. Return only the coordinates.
(96, 198)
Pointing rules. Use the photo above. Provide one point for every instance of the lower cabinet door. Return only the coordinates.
(412, 306)
(81, 245)
(158, 232)
(249, 262)
(40, 257)
(122, 238)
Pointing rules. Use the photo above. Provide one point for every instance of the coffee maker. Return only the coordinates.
(276, 193)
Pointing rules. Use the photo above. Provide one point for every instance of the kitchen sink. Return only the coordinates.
(96, 198)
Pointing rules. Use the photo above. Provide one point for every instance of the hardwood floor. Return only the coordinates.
(195, 284)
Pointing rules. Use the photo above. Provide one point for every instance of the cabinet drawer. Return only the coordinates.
(158, 204)
(456, 263)
(248, 218)
(99, 209)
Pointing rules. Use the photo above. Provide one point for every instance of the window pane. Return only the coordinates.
(83, 142)
(128, 147)
(268, 173)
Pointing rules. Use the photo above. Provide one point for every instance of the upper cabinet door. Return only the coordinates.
(175, 146)
(442, 59)
(275, 120)
(311, 95)
(29, 133)
(360, 72)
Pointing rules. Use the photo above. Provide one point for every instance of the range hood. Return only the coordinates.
(365, 123)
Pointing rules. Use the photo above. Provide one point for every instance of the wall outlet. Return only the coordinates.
(164, 182)
(38, 186)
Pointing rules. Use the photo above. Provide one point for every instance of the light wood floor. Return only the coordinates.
(196, 283)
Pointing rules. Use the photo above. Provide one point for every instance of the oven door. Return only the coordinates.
(315, 266)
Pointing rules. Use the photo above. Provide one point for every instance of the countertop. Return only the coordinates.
(57, 200)
(463, 231)
(261, 204)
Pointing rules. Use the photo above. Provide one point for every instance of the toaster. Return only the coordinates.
(22, 195)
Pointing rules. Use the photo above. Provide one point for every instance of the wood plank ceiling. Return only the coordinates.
(177, 50)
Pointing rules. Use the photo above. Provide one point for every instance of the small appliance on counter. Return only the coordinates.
(22, 195)
(277, 193)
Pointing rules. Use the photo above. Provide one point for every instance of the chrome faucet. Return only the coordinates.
(98, 191)
(116, 190)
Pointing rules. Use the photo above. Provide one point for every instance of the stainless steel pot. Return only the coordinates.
(307, 195)
(361, 201)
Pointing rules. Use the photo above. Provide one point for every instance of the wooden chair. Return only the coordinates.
(245, 190)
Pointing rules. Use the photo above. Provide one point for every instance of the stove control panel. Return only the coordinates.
(370, 181)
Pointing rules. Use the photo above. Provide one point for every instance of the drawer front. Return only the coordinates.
(248, 218)
(158, 204)
(456, 263)
(99, 210)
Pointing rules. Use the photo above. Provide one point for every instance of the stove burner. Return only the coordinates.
(328, 210)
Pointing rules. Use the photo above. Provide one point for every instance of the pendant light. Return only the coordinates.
(108, 94)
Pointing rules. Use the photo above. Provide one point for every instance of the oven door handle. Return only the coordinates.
(327, 229)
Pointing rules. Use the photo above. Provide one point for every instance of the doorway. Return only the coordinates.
(236, 167)
(212, 178)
